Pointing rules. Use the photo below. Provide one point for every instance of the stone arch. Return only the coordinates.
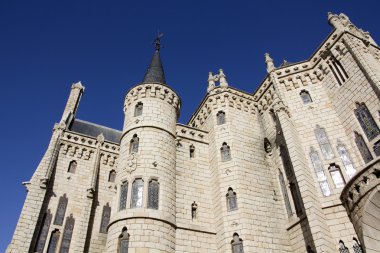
(371, 222)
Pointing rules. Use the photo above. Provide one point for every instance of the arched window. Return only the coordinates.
(153, 194)
(192, 151)
(44, 231)
(231, 200)
(356, 246)
(320, 173)
(138, 109)
(342, 247)
(123, 241)
(67, 234)
(72, 167)
(134, 146)
(194, 208)
(336, 175)
(363, 149)
(324, 142)
(221, 118)
(123, 196)
(305, 96)
(105, 219)
(237, 244)
(267, 146)
(137, 193)
(225, 152)
(54, 238)
(285, 194)
(112, 176)
(61, 210)
(346, 159)
(376, 148)
(366, 121)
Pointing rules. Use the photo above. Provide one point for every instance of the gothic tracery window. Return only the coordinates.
(221, 118)
(44, 231)
(305, 96)
(346, 159)
(324, 143)
(336, 176)
(225, 152)
(61, 210)
(231, 200)
(72, 167)
(153, 194)
(363, 149)
(105, 219)
(134, 146)
(138, 109)
(54, 238)
(112, 176)
(137, 193)
(237, 244)
(366, 121)
(67, 234)
(123, 196)
(123, 241)
(285, 194)
(320, 173)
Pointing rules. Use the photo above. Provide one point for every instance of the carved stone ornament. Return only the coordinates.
(131, 163)
(90, 193)
(43, 183)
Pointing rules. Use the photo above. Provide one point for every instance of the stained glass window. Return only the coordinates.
(285, 194)
(221, 118)
(153, 194)
(137, 193)
(225, 152)
(123, 241)
(134, 147)
(320, 173)
(67, 234)
(43, 232)
(54, 238)
(356, 246)
(296, 198)
(324, 143)
(105, 219)
(366, 121)
(61, 209)
(192, 151)
(346, 159)
(305, 96)
(72, 167)
(123, 196)
(138, 109)
(112, 176)
(343, 248)
(237, 244)
(363, 149)
(286, 161)
(336, 176)
(376, 148)
(231, 200)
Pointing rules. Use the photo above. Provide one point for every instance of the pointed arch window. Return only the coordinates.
(137, 193)
(192, 151)
(221, 118)
(54, 238)
(285, 194)
(225, 152)
(61, 210)
(320, 173)
(305, 96)
(342, 247)
(123, 196)
(123, 241)
(153, 194)
(346, 160)
(112, 176)
(138, 109)
(366, 121)
(134, 146)
(324, 142)
(363, 149)
(336, 175)
(105, 218)
(72, 167)
(231, 200)
(356, 246)
(67, 234)
(44, 231)
(237, 244)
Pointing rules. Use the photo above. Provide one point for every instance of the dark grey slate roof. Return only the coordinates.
(155, 72)
(93, 130)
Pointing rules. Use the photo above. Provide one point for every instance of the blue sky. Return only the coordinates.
(45, 46)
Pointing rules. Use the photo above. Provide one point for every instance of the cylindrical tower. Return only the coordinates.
(143, 213)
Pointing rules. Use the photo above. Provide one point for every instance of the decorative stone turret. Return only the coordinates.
(221, 77)
(269, 62)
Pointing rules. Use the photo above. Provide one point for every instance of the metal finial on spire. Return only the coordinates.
(155, 71)
(157, 41)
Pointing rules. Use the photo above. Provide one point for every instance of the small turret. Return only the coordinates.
(155, 72)
(72, 104)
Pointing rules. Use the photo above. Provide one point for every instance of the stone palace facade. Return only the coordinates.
(293, 167)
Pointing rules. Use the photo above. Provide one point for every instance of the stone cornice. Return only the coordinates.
(192, 134)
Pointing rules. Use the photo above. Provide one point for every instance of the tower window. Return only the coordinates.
(376, 148)
(72, 167)
(54, 238)
(137, 193)
(336, 176)
(61, 210)
(320, 173)
(366, 121)
(342, 247)
(123, 196)
(363, 149)
(134, 146)
(67, 234)
(237, 244)
(285, 194)
(356, 246)
(324, 142)
(153, 194)
(231, 200)
(123, 241)
(112, 176)
(221, 118)
(225, 152)
(346, 159)
(44, 231)
(305, 96)
(192, 151)
(105, 219)
(138, 109)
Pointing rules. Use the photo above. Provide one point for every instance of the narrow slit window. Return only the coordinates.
(105, 219)
(192, 151)
(138, 109)
(44, 231)
(320, 173)
(137, 193)
(225, 152)
(123, 196)
(61, 210)
(67, 234)
(346, 160)
(305, 96)
(153, 194)
(336, 176)
(72, 167)
(112, 176)
(231, 200)
(324, 142)
(123, 241)
(366, 121)
(335, 75)
(221, 118)
(286, 162)
(363, 149)
(54, 238)
(285, 194)
(134, 146)
(237, 244)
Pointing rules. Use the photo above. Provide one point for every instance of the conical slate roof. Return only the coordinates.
(155, 72)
